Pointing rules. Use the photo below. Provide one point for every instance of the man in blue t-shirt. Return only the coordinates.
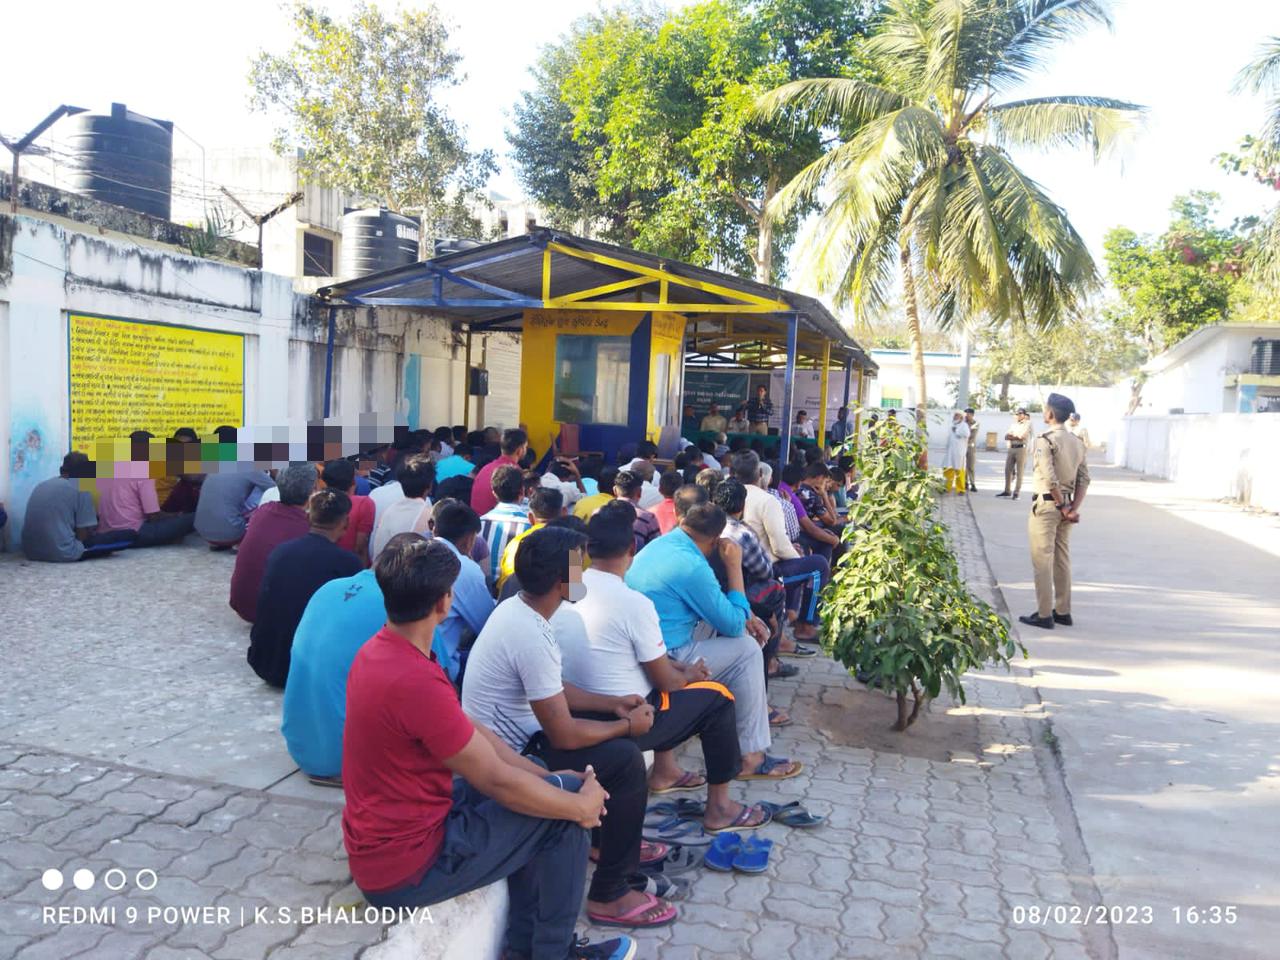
(339, 618)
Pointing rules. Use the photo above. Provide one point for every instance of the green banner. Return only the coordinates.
(725, 387)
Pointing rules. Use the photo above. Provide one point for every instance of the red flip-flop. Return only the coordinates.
(650, 852)
(632, 917)
(687, 781)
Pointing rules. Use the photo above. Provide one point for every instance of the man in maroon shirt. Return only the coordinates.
(514, 445)
(270, 525)
(414, 835)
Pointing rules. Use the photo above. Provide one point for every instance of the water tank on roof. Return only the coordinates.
(1264, 358)
(123, 158)
(445, 245)
(376, 239)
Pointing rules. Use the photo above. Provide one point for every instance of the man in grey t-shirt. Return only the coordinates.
(221, 514)
(60, 519)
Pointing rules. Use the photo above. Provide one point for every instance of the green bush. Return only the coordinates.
(897, 608)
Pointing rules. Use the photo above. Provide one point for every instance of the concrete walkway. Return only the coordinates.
(1165, 701)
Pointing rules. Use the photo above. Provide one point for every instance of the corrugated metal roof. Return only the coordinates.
(506, 279)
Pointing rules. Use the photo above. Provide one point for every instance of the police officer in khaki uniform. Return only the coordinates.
(1059, 480)
(1015, 459)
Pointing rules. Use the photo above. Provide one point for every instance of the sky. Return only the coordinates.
(1178, 57)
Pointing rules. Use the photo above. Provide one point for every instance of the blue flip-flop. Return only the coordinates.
(752, 855)
(723, 852)
(791, 814)
(687, 833)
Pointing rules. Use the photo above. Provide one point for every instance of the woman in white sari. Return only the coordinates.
(954, 459)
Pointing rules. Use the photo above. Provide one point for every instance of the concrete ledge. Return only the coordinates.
(469, 927)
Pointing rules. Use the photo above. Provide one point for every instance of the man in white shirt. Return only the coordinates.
(803, 426)
(1015, 460)
(513, 685)
(410, 513)
(611, 643)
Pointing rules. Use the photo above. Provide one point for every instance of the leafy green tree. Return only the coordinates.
(1086, 353)
(1168, 286)
(360, 100)
(898, 610)
(643, 125)
(1262, 159)
(921, 183)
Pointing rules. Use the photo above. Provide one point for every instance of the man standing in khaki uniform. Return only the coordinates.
(1059, 480)
(971, 453)
(1016, 459)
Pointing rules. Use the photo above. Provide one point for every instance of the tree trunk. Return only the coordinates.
(902, 712)
(1004, 389)
(917, 344)
(764, 251)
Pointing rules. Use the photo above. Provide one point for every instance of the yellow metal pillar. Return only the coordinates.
(822, 386)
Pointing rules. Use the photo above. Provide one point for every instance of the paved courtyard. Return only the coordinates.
(133, 736)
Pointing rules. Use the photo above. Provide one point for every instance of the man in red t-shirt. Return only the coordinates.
(515, 443)
(341, 475)
(414, 835)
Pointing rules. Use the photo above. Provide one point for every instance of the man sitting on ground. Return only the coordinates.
(458, 526)
(515, 444)
(60, 524)
(457, 465)
(272, 525)
(507, 520)
(339, 618)
(341, 475)
(514, 686)
(589, 504)
(412, 511)
(802, 575)
(611, 644)
(128, 501)
(295, 571)
(222, 514)
(544, 506)
(627, 486)
(414, 835)
(665, 512)
(699, 622)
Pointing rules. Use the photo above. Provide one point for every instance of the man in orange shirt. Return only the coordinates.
(665, 512)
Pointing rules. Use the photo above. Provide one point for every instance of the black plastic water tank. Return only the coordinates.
(444, 245)
(1264, 358)
(122, 158)
(376, 239)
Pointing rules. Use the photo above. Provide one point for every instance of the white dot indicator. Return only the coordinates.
(52, 879)
(146, 885)
(117, 875)
(83, 879)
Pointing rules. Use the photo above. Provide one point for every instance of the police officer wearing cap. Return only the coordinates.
(1059, 478)
(1015, 460)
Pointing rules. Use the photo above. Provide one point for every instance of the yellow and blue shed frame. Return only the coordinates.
(550, 286)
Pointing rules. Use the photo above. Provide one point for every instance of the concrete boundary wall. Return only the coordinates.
(1211, 456)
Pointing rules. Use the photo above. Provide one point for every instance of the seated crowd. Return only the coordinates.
(479, 647)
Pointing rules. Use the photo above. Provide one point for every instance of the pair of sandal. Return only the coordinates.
(731, 851)
(674, 824)
(791, 814)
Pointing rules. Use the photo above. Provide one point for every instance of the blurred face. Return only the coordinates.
(572, 588)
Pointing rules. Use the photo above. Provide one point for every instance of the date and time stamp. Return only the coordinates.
(1079, 915)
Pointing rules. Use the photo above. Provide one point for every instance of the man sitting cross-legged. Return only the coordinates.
(414, 835)
(699, 621)
(295, 571)
(611, 642)
(513, 684)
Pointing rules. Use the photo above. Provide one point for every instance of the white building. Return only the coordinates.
(895, 384)
(1209, 372)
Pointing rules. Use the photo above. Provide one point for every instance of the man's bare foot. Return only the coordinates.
(682, 780)
(732, 815)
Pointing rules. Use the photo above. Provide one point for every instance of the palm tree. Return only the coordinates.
(921, 182)
(1262, 76)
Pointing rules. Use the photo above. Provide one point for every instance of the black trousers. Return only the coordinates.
(704, 710)
(544, 862)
